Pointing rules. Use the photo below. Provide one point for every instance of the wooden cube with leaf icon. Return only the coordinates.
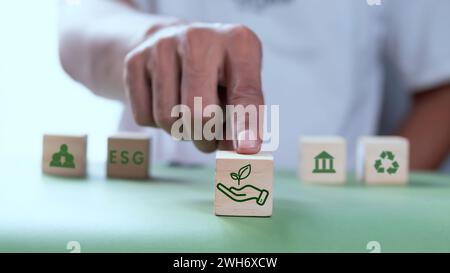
(243, 184)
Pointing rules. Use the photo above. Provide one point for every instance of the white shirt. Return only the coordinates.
(325, 64)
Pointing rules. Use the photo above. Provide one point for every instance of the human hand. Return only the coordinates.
(244, 194)
(220, 63)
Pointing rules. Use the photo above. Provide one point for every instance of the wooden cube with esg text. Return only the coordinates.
(243, 184)
(383, 160)
(128, 156)
(64, 155)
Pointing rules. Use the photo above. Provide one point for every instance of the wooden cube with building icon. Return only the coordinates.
(323, 160)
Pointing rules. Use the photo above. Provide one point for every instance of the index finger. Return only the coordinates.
(244, 88)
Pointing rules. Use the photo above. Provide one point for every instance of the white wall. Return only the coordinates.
(35, 94)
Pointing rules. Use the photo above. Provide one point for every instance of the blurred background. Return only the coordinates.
(36, 95)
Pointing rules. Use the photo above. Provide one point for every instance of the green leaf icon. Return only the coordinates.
(234, 176)
(245, 171)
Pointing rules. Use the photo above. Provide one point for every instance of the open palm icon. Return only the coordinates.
(245, 193)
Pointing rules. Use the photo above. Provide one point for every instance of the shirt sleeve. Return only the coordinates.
(418, 42)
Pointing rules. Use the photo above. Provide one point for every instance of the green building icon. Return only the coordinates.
(324, 163)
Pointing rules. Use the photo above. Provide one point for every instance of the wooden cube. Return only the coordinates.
(64, 155)
(323, 160)
(383, 160)
(128, 156)
(243, 184)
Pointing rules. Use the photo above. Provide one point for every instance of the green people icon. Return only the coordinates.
(389, 156)
(63, 159)
(245, 193)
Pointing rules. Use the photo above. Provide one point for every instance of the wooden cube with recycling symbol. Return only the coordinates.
(243, 184)
(383, 160)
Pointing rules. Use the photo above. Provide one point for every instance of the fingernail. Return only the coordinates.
(247, 142)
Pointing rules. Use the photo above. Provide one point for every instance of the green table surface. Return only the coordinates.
(173, 212)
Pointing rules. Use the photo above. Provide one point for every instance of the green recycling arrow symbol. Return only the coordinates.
(386, 155)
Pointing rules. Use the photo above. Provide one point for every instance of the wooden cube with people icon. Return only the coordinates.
(383, 160)
(128, 156)
(243, 184)
(64, 155)
(323, 160)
